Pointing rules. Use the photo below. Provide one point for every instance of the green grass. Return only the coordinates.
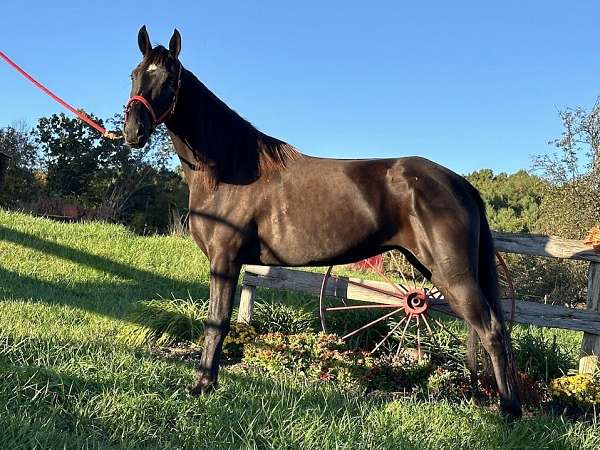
(66, 380)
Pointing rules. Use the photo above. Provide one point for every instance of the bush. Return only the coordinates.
(308, 353)
(548, 280)
(448, 384)
(542, 358)
(165, 322)
(239, 335)
(403, 371)
(275, 317)
(570, 195)
(325, 358)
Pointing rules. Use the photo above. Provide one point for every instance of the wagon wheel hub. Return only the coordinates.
(415, 302)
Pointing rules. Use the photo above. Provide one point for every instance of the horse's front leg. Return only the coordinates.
(223, 282)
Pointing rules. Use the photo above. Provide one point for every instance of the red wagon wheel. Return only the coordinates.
(396, 313)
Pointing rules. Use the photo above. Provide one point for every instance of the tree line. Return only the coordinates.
(61, 161)
(61, 167)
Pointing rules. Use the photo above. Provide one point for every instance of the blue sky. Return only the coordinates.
(467, 84)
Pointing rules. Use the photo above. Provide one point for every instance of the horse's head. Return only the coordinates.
(154, 88)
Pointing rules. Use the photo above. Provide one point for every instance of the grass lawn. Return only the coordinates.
(67, 381)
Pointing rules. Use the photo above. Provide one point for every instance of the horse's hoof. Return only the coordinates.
(511, 410)
(203, 386)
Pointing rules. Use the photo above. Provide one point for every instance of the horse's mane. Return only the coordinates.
(228, 147)
(232, 147)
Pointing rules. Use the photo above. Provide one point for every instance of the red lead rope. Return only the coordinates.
(79, 114)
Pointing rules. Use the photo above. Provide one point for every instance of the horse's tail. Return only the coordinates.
(488, 283)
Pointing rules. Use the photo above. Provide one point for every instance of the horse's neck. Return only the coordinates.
(185, 125)
(185, 131)
(216, 145)
(194, 169)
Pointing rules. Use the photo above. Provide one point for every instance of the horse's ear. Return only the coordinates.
(144, 41)
(175, 43)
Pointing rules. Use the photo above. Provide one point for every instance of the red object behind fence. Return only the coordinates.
(374, 262)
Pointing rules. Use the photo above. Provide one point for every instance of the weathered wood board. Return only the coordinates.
(541, 245)
(554, 316)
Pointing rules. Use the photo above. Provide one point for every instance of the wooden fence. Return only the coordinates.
(553, 316)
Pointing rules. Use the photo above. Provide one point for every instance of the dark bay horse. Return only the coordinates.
(257, 200)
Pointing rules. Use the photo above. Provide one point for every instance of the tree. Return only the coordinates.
(112, 180)
(570, 204)
(512, 201)
(22, 160)
(71, 154)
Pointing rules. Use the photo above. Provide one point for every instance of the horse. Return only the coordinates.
(255, 199)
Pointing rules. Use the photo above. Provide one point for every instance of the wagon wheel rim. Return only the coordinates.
(419, 319)
(408, 301)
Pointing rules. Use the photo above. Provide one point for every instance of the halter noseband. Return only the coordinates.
(168, 113)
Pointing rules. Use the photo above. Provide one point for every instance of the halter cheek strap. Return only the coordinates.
(168, 113)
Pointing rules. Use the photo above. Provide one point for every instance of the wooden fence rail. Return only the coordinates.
(553, 316)
(541, 245)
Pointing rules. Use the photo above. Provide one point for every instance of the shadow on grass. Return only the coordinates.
(54, 408)
(108, 298)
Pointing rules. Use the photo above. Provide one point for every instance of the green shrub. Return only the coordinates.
(325, 358)
(449, 384)
(402, 371)
(239, 335)
(165, 322)
(548, 280)
(541, 357)
(275, 317)
(307, 353)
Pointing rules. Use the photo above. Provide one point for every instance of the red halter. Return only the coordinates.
(168, 113)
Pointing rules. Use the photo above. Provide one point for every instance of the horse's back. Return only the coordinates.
(326, 210)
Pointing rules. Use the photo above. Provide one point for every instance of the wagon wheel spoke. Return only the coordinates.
(418, 337)
(429, 330)
(423, 281)
(399, 294)
(403, 335)
(347, 308)
(387, 336)
(398, 267)
(435, 293)
(371, 323)
(381, 273)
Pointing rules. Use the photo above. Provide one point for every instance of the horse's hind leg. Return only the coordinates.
(469, 302)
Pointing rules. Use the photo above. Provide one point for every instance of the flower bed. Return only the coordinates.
(325, 358)
(582, 390)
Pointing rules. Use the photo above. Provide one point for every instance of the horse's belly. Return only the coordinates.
(318, 236)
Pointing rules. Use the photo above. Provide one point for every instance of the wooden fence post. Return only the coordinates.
(246, 304)
(590, 346)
